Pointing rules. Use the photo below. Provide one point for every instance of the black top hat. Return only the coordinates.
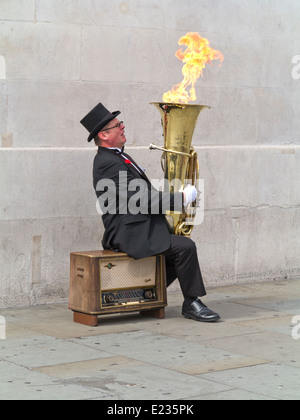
(96, 119)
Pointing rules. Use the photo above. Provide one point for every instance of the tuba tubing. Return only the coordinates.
(176, 152)
(179, 157)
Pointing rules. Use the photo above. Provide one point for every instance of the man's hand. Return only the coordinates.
(189, 194)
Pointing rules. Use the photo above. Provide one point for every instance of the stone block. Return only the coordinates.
(250, 61)
(133, 13)
(268, 246)
(40, 51)
(280, 20)
(57, 122)
(273, 380)
(17, 10)
(43, 183)
(31, 385)
(213, 16)
(39, 273)
(216, 245)
(120, 55)
(247, 116)
(257, 245)
(249, 176)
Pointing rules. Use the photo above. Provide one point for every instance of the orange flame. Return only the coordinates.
(195, 57)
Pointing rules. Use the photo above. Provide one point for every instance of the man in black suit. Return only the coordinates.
(133, 212)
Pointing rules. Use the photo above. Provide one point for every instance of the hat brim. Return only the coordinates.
(102, 124)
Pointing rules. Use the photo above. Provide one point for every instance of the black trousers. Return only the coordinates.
(182, 263)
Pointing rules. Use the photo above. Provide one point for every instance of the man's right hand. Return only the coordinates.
(189, 194)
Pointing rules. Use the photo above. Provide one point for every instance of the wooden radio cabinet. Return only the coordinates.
(107, 282)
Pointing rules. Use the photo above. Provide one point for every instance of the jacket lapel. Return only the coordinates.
(128, 165)
(140, 171)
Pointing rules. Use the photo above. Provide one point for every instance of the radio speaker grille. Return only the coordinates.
(127, 273)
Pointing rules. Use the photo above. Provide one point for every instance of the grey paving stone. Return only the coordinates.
(19, 383)
(45, 351)
(271, 380)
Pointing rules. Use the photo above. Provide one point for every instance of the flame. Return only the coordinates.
(197, 54)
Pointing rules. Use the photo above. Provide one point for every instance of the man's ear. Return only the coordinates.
(102, 137)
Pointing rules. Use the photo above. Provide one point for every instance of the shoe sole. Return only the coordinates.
(203, 319)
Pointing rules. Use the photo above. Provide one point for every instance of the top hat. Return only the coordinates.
(96, 119)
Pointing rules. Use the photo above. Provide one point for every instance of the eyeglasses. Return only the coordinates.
(117, 125)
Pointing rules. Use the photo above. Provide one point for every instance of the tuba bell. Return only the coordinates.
(179, 160)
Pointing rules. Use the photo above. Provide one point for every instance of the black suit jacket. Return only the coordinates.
(132, 210)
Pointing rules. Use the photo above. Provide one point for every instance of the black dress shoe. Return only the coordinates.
(199, 312)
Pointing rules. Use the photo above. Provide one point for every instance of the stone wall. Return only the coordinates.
(59, 58)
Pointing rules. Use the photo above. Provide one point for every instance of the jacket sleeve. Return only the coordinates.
(120, 192)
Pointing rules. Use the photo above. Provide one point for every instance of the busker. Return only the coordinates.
(142, 234)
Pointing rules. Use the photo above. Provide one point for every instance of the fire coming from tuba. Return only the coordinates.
(179, 159)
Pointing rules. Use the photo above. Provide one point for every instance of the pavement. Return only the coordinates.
(252, 354)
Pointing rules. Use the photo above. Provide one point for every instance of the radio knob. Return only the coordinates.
(148, 294)
(109, 298)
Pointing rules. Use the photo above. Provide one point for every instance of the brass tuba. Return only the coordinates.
(179, 159)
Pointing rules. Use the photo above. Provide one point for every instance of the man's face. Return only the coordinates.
(113, 135)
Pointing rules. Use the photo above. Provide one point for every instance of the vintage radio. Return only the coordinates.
(106, 282)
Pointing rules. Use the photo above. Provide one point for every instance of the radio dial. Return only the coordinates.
(148, 294)
(109, 298)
